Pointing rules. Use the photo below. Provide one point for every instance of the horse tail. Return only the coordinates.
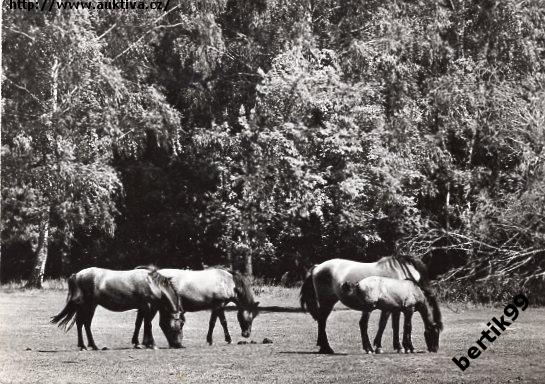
(307, 296)
(73, 299)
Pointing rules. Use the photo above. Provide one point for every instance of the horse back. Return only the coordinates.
(331, 274)
(204, 289)
(116, 290)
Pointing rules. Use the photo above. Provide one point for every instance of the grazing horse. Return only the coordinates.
(143, 289)
(395, 295)
(211, 289)
(321, 290)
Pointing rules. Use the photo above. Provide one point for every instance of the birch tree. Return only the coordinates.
(67, 109)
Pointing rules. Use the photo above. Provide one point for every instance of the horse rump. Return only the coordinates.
(66, 317)
(307, 296)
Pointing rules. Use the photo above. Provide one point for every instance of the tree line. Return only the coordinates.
(271, 135)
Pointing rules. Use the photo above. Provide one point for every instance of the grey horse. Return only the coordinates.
(211, 289)
(321, 290)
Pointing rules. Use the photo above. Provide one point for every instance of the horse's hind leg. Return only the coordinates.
(364, 321)
(377, 343)
(211, 325)
(323, 343)
(137, 325)
(223, 322)
(79, 324)
(395, 331)
(407, 329)
(87, 323)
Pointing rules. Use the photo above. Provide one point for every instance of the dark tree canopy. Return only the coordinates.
(269, 136)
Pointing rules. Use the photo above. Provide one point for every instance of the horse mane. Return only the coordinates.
(418, 265)
(243, 291)
(161, 281)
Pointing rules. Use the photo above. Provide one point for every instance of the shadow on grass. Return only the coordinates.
(272, 308)
(100, 350)
(277, 308)
(311, 353)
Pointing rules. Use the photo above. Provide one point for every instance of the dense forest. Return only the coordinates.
(270, 135)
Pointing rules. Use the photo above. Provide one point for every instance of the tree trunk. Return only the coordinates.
(241, 256)
(37, 276)
(248, 269)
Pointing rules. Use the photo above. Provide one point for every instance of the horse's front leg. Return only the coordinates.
(148, 340)
(377, 343)
(367, 347)
(407, 329)
(223, 321)
(395, 330)
(137, 325)
(211, 325)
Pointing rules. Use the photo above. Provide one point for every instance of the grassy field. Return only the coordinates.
(34, 351)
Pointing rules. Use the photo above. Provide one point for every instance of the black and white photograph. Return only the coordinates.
(272, 191)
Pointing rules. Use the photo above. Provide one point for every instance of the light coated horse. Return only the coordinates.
(321, 290)
(143, 289)
(395, 295)
(212, 289)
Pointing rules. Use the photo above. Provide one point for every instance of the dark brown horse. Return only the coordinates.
(143, 289)
(393, 295)
(211, 289)
(321, 290)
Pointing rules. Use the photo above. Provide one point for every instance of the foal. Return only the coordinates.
(395, 295)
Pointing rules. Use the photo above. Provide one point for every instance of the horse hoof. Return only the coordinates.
(138, 346)
(105, 348)
(82, 348)
(326, 351)
(398, 350)
(378, 350)
(93, 347)
(151, 347)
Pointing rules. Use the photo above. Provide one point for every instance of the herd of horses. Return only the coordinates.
(392, 285)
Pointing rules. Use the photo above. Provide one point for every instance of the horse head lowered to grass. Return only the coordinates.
(395, 295)
(142, 288)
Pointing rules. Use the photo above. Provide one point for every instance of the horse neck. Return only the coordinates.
(425, 310)
(168, 294)
(243, 296)
(172, 299)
